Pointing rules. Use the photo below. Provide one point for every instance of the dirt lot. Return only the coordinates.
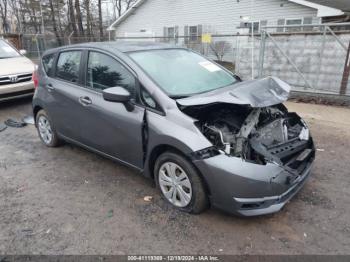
(70, 201)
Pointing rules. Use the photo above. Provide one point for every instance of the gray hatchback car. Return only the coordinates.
(204, 136)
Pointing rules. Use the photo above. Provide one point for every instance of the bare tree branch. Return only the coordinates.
(123, 5)
(3, 14)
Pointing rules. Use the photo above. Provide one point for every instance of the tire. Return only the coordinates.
(51, 138)
(198, 201)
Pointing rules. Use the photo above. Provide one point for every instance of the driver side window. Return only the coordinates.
(103, 72)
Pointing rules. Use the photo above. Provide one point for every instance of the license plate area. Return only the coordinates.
(304, 155)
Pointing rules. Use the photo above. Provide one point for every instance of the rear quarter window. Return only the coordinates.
(48, 61)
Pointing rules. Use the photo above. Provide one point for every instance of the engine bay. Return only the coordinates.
(259, 135)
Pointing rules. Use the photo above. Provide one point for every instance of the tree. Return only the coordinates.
(220, 48)
(100, 18)
(123, 5)
(79, 18)
(3, 14)
(15, 8)
(88, 17)
(71, 17)
(57, 17)
(54, 24)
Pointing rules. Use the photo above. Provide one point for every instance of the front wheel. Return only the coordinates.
(180, 183)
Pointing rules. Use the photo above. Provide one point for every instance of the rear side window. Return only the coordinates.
(104, 72)
(48, 64)
(68, 65)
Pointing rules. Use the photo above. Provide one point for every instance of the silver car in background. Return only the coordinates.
(15, 73)
(203, 135)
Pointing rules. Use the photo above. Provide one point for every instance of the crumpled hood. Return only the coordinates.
(16, 65)
(256, 93)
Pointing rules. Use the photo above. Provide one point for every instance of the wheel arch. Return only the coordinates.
(160, 149)
(36, 109)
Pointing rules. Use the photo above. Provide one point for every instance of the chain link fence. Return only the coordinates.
(310, 61)
(37, 44)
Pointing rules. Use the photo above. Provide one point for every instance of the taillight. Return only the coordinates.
(35, 79)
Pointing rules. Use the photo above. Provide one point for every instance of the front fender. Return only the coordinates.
(172, 130)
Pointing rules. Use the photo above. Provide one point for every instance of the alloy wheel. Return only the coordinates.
(45, 130)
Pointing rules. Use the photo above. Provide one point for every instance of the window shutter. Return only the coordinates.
(199, 33)
(281, 22)
(176, 34)
(165, 34)
(186, 34)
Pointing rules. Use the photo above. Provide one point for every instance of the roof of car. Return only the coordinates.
(121, 46)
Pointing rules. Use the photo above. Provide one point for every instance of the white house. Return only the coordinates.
(171, 18)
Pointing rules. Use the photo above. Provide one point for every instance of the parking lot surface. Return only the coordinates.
(69, 201)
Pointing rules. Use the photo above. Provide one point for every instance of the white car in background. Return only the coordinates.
(15, 73)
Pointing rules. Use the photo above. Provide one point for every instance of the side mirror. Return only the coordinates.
(23, 52)
(118, 94)
(238, 77)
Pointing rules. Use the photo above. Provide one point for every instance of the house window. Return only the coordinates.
(293, 22)
(256, 27)
(171, 34)
(307, 21)
(193, 33)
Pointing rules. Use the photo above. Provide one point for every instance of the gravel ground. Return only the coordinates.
(70, 201)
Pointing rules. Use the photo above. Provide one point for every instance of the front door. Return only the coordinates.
(108, 126)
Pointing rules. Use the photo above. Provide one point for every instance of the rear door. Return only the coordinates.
(64, 89)
(108, 126)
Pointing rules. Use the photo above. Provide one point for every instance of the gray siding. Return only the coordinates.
(220, 16)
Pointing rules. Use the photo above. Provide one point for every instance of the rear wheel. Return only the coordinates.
(180, 183)
(45, 129)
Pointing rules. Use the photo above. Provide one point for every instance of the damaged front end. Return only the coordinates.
(257, 135)
(262, 144)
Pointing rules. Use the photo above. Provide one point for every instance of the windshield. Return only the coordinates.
(7, 51)
(182, 73)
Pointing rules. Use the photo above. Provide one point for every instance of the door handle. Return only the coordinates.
(50, 87)
(85, 100)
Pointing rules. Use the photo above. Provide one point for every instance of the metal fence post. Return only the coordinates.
(37, 45)
(345, 79)
(233, 54)
(70, 35)
(237, 54)
(262, 52)
(321, 55)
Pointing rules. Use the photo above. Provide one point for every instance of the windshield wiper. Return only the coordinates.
(178, 96)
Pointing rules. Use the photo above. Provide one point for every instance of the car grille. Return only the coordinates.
(14, 79)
